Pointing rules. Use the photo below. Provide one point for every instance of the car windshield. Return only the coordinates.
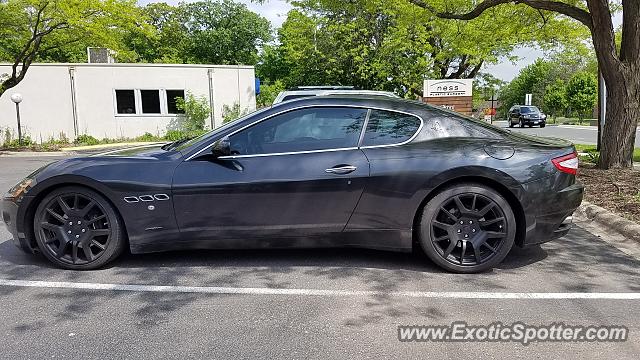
(190, 142)
(529, 109)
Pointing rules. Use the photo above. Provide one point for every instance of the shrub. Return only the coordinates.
(196, 111)
(147, 137)
(86, 140)
(230, 113)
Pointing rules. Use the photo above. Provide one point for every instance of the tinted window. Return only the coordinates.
(125, 101)
(150, 101)
(172, 96)
(301, 130)
(385, 128)
(529, 109)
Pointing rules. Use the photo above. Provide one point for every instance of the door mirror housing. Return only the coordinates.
(221, 147)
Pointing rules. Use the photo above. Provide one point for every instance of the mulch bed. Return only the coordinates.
(615, 190)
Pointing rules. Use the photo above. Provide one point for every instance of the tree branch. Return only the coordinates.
(557, 6)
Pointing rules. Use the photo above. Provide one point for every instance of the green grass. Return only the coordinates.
(591, 149)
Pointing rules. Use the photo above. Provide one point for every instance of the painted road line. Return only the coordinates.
(318, 292)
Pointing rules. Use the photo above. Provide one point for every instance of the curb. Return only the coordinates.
(608, 220)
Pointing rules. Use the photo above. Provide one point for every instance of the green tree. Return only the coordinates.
(208, 31)
(531, 80)
(393, 45)
(38, 29)
(582, 93)
(555, 98)
(224, 32)
(618, 56)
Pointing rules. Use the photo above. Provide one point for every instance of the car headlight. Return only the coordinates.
(18, 191)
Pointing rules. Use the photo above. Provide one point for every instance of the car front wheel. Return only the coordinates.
(77, 228)
(467, 228)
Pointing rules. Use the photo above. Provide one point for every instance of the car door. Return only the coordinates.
(299, 173)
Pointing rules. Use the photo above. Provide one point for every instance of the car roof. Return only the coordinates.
(375, 101)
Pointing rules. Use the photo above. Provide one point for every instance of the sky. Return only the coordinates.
(276, 12)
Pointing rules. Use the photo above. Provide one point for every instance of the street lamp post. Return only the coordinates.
(17, 99)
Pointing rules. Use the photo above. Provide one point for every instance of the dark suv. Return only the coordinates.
(526, 115)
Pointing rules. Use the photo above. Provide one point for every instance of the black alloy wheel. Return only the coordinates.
(76, 228)
(467, 228)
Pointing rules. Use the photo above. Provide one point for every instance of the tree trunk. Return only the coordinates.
(623, 113)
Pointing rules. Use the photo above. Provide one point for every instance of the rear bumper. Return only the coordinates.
(9, 210)
(553, 218)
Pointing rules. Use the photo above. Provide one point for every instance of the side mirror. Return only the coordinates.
(221, 147)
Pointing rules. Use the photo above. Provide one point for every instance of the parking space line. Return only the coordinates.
(318, 292)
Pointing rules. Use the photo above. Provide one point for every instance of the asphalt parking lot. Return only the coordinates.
(306, 303)
(576, 134)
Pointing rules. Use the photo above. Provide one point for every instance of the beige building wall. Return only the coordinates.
(48, 106)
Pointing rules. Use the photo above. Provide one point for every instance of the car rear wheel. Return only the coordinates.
(77, 228)
(543, 125)
(467, 228)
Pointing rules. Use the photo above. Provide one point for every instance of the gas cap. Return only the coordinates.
(499, 151)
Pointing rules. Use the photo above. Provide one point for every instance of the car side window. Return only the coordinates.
(388, 128)
(320, 128)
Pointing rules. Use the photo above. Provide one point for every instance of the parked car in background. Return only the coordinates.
(526, 115)
(308, 91)
(328, 171)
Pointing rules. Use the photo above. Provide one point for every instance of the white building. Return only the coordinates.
(119, 100)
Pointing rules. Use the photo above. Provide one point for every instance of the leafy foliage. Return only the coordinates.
(268, 93)
(582, 93)
(60, 30)
(230, 113)
(196, 110)
(555, 98)
(209, 32)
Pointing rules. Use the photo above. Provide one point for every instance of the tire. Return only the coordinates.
(492, 232)
(521, 123)
(78, 229)
(510, 124)
(543, 125)
(530, 125)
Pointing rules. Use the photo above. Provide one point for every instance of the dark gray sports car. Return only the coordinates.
(332, 171)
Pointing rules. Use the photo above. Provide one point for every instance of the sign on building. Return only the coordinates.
(453, 94)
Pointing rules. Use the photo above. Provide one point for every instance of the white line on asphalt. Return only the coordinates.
(316, 292)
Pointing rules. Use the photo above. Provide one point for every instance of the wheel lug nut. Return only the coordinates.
(69, 232)
(84, 230)
(461, 222)
(70, 222)
(472, 230)
(466, 236)
(459, 231)
(77, 236)
(470, 221)
(79, 222)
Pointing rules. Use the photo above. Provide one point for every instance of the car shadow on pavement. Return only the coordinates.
(575, 263)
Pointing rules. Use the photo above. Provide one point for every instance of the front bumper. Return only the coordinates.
(9, 210)
(532, 121)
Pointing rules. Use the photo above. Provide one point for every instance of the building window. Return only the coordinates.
(172, 96)
(150, 101)
(125, 101)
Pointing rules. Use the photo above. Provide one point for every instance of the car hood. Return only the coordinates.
(144, 151)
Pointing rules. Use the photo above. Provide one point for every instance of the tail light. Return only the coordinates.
(567, 163)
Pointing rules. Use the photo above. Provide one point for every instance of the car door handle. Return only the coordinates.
(341, 170)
